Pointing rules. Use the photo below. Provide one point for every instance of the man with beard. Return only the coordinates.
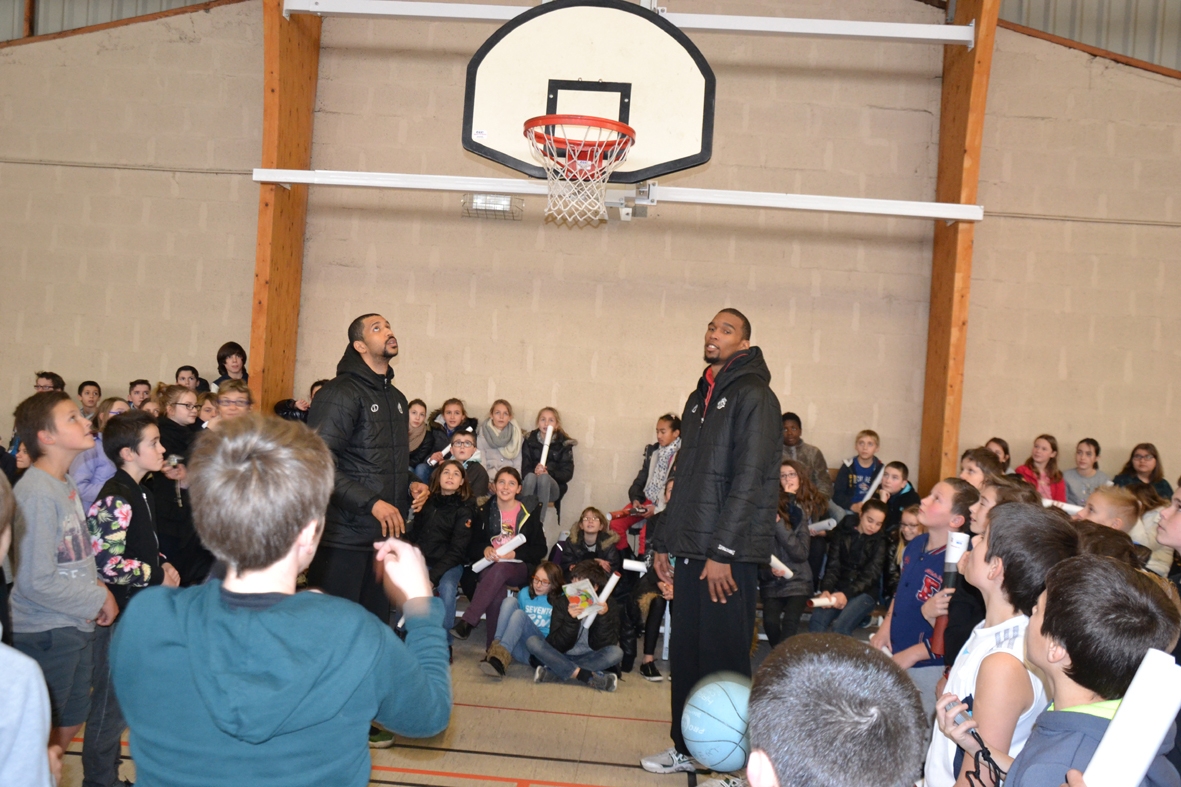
(363, 419)
(719, 522)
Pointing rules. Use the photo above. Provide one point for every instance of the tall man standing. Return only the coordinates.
(363, 419)
(719, 522)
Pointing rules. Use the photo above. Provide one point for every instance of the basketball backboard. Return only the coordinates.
(605, 58)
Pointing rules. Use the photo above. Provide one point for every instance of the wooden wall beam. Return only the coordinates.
(961, 133)
(291, 60)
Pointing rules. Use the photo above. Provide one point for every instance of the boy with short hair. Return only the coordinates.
(855, 476)
(89, 393)
(138, 392)
(1090, 630)
(865, 722)
(809, 456)
(898, 495)
(48, 381)
(267, 686)
(463, 450)
(57, 598)
(122, 525)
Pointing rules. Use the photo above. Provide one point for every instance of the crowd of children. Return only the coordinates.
(105, 491)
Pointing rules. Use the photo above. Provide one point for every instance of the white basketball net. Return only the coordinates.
(578, 159)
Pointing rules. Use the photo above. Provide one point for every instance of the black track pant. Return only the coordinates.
(708, 637)
(350, 574)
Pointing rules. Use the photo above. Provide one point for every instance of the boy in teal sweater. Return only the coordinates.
(245, 681)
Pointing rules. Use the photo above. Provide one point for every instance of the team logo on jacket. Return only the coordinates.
(694, 409)
(373, 409)
(400, 409)
(722, 403)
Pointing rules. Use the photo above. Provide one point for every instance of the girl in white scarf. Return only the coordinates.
(500, 439)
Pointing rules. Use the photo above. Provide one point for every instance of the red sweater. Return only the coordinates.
(1057, 489)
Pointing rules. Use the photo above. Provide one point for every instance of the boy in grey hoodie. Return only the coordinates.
(57, 597)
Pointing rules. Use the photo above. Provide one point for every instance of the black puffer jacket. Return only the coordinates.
(855, 561)
(792, 545)
(574, 550)
(559, 462)
(563, 629)
(362, 417)
(442, 530)
(727, 476)
(173, 514)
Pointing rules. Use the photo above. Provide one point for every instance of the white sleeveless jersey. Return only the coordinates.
(943, 764)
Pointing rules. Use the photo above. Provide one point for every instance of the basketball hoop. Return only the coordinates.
(579, 153)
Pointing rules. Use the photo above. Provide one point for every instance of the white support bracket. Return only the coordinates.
(945, 211)
(956, 35)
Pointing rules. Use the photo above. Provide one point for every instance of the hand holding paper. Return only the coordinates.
(502, 550)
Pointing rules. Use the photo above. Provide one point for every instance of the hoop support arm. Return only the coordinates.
(956, 35)
(750, 199)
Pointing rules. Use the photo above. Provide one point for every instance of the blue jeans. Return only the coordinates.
(423, 472)
(514, 628)
(565, 665)
(842, 621)
(448, 590)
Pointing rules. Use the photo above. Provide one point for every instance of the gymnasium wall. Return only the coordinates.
(607, 323)
(1074, 327)
(127, 214)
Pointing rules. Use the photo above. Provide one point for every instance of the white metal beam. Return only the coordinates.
(751, 199)
(962, 35)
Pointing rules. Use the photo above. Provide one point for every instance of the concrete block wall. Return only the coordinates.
(1073, 327)
(606, 323)
(127, 214)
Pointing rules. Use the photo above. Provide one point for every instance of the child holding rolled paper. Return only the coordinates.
(1088, 634)
(590, 539)
(856, 558)
(575, 651)
(856, 476)
(547, 458)
(1008, 565)
(785, 590)
(513, 544)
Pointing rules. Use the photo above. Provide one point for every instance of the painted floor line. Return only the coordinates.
(559, 713)
(401, 744)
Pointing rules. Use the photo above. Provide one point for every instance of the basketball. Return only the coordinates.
(714, 722)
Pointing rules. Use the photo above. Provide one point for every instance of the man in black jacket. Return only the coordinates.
(719, 521)
(363, 419)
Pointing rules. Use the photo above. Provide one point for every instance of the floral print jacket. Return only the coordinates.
(108, 521)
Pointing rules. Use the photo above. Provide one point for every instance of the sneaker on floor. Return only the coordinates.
(650, 672)
(462, 629)
(545, 675)
(492, 667)
(380, 739)
(668, 761)
(603, 681)
(725, 781)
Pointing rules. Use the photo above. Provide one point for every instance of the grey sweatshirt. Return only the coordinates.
(56, 579)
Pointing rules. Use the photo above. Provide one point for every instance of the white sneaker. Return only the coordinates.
(725, 781)
(668, 761)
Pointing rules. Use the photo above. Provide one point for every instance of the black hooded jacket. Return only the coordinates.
(363, 419)
(855, 561)
(443, 530)
(727, 475)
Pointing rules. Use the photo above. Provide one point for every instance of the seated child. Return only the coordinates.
(855, 476)
(1008, 565)
(500, 438)
(270, 686)
(856, 558)
(1117, 507)
(463, 450)
(977, 465)
(865, 721)
(1041, 469)
(522, 616)
(442, 531)
(909, 623)
(590, 539)
(647, 491)
(57, 598)
(548, 482)
(785, 598)
(422, 444)
(502, 518)
(443, 423)
(1088, 634)
(898, 495)
(646, 602)
(909, 528)
(122, 525)
(573, 652)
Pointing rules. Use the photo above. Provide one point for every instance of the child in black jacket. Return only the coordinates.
(590, 539)
(548, 482)
(442, 530)
(856, 558)
(571, 651)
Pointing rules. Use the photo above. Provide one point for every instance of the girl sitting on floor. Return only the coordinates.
(522, 617)
(589, 539)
